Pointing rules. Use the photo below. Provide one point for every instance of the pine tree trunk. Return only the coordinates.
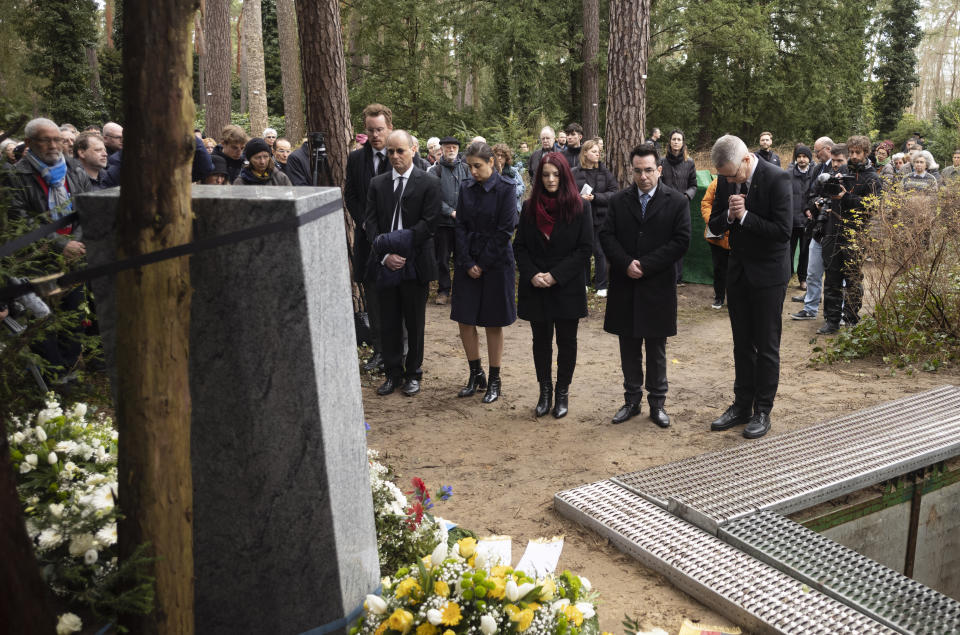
(242, 62)
(216, 73)
(353, 32)
(626, 82)
(591, 69)
(108, 13)
(256, 76)
(153, 389)
(94, 74)
(290, 71)
(200, 52)
(325, 81)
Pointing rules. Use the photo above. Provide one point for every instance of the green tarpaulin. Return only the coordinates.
(697, 265)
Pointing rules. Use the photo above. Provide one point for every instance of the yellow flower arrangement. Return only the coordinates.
(468, 547)
(428, 629)
(408, 588)
(441, 588)
(400, 620)
(451, 615)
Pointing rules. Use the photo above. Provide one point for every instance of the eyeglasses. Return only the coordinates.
(376, 130)
(395, 150)
(113, 136)
(47, 140)
(644, 170)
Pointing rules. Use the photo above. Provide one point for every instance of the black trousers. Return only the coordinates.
(631, 361)
(443, 245)
(61, 349)
(600, 263)
(566, 349)
(721, 259)
(800, 237)
(756, 321)
(403, 306)
(842, 283)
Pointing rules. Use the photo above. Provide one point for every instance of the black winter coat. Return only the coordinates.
(28, 200)
(604, 186)
(233, 165)
(680, 174)
(646, 307)
(801, 185)
(769, 156)
(564, 256)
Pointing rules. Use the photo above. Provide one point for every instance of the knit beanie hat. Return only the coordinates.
(256, 146)
(219, 164)
(802, 149)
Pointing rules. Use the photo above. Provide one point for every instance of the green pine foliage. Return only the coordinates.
(896, 71)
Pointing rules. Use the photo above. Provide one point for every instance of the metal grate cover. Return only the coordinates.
(873, 589)
(744, 589)
(800, 469)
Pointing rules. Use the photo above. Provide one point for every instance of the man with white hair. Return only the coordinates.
(754, 203)
(548, 137)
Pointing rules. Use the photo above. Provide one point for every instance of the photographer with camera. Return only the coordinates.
(842, 256)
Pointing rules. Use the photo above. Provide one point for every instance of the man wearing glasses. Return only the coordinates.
(113, 137)
(646, 231)
(753, 203)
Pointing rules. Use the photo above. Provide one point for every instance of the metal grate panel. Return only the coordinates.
(873, 589)
(800, 469)
(744, 589)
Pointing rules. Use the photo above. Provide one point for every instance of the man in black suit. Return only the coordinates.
(753, 202)
(362, 165)
(646, 231)
(403, 204)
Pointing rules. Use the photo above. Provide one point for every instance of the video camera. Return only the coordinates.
(319, 167)
(835, 183)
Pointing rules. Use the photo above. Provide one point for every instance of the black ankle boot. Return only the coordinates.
(493, 386)
(476, 381)
(546, 399)
(561, 401)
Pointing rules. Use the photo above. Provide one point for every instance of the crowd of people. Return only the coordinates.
(471, 218)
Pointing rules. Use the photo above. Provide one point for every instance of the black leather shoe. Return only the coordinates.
(546, 399)
(493, 390)
(476, 381)
(659, 416)
(411, 387)
(734, 416)
(626, 411)
(758, 426)
(374, 363)
(828, 328)
(388, 386)
(799, 298)
(561, 402)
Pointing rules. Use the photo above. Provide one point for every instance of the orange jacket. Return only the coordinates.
(706, 205)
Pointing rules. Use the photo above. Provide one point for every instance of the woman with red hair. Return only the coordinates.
(553, 243)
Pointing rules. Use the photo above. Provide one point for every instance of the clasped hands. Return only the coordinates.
(634, 270)
(394, 262)
(543, 280)
(737, 206)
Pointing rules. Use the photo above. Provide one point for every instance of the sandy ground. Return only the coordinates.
(505, 465)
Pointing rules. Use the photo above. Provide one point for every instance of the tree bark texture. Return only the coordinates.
(153, 391)
(242, 62)
(256, 76)
(199, 49)
(94, 74)
(108, 12)
(23, 602)
(626, 84)
(290, 71)
(216, 62)
(325, 81)
(591, 69)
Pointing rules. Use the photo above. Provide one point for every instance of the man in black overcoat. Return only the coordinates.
(646, 231)
(753, 202)
(362, 165)
(405, 198)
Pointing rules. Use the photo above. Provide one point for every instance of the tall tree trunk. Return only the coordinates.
(153, 390)
(290, 71)
(200, 52)
(590, 112)
(242, 61)
(216, 73)
(108, 12)
(23, 602)
(354, 71)
(94, 74)
(256, 75)
(626, 82)
(325, 81)
(705, 111)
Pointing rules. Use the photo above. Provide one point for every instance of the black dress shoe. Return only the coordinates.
(476, 381)
(758, 426)
(411, 387)
(388, 386)
(659, 416)
(561, 402)
(546, 399)
(626, 411)
(374, 363)
(734, 416)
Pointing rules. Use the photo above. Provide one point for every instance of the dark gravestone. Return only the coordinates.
(284, 539)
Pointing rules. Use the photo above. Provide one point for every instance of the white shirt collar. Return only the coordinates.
(405, 175)
(650, 193)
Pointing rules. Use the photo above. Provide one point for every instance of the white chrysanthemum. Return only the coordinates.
(80, 544)
(79, 410)
(69, 623)
(107, 536)
(90, 556)
(49, 538)
(84, 451)
(66, 447)
(56, 510)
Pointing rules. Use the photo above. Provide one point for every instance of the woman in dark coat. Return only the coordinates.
(553, 242)
(603, 185)
(484, 287)
(680, 173)
(260, 168)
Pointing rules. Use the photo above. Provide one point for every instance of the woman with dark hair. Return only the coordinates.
(553, 243)
(680, 173)
(483, 280)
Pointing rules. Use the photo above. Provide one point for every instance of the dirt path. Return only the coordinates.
(505, 465)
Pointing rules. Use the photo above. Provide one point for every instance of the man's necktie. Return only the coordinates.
(381, 163)
(644, 199)
(397, 195)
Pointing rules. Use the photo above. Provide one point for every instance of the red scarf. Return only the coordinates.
(546, 213)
